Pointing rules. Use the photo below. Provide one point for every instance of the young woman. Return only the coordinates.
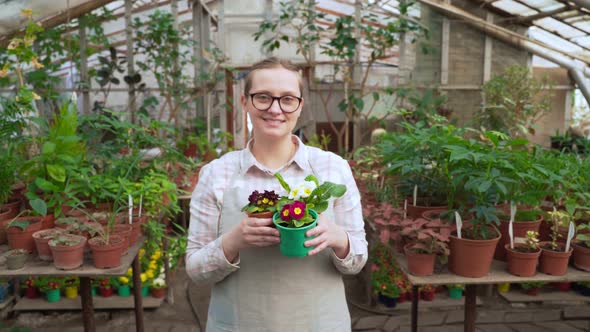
(255, 287)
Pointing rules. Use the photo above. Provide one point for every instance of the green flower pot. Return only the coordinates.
(145, 291)
(124, 290)
(455, 293)
(52, 295)
(93, 291)
(292, 239)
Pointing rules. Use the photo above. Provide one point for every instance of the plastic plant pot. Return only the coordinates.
(52, 295)
(71, 292)
(504, 287)
(455, 293)
(387, 301)
(292, 239)
(124, 290)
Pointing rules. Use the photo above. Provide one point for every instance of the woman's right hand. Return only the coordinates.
(250, 232)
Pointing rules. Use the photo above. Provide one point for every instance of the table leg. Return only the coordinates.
(137, 299)
(470, 308)
(415, 299)
(87, 306)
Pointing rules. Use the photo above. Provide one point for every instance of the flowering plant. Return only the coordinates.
(261, 202)
(294, 209)
(48, 283)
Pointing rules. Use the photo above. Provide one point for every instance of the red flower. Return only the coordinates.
(285, 216)
(297, 210)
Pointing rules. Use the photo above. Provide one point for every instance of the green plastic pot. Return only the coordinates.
(145, 290)
(455, 293)
(52, 295)
(292, 239)
(124, 290)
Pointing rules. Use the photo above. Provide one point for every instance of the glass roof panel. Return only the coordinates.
(514, 8)
(562, 29)
(543, 5)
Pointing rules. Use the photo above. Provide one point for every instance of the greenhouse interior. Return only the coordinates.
(150, 182)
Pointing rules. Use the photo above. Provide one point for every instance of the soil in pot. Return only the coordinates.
(422, 205)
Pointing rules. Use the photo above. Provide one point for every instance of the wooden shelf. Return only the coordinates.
(6, 301)
(99, 302)
(545, 295)
(37, 267)
(498, 274)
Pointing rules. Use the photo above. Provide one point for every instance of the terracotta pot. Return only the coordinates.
(471, 258)
(159, 293)
(261, 215)
(427, 295)
(416, 211)
(42, 238)
(419, 264)
(522, 264)
(48, 221)
(533, 291)
(4, 216)
(68, 257)
(581, 257)
(17, 238)
(519, 228)
(107, 255)
(14, 206)
(545, 231)
(554, 262)
(125, 232)
(137, 222)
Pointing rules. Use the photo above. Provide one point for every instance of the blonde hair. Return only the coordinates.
(270, 63)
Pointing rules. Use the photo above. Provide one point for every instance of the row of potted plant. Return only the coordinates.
(470, 174)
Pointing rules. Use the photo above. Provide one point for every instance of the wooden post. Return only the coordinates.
(137, 299)
(229, 101)
(444, 52)
(470, 308)
(198, 54)
(84, 68)
(87, 307)
(130, 58)
(415, 299)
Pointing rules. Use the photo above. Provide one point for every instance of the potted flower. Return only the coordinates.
(16, 258)
(523, 258)
(298, 212)
(427, 292)
(385, 287)
(582, 247)
(158, 287)
(123, 287)
(30, 287)
(456, 290)
(71, 287)
(261, 205)
(554, 258)
(532, 288)
(424, 244)
(67, 251)
(51, 287)
(105, 287)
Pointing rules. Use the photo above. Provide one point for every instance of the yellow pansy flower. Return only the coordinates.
(143, 277)
(129, 271)
(149, 274)
(124, 280)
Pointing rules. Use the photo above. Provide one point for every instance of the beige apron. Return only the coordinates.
(271, 292)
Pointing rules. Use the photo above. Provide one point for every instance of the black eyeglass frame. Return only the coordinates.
(278, 99)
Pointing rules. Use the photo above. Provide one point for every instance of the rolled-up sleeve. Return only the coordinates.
(348, 214)
(205, 260)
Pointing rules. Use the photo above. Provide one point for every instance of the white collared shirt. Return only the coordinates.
(205, 259)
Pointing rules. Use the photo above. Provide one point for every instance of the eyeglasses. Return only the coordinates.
(263, 102)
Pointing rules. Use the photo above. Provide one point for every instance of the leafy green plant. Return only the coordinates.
(583, 237)
(532, 284)
(558, 219)
(515, 102)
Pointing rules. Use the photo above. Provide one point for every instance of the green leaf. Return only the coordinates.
(57, 172)
(311, 177)
(321, 207)
(284, 184)
(48, 148)
(45, 185)
(39, 206)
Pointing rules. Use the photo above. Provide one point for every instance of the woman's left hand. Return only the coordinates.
(328, 235)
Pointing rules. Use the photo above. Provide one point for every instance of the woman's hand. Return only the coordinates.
(250, 232)
(328, 235)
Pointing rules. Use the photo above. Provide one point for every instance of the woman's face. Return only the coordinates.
(275, 82)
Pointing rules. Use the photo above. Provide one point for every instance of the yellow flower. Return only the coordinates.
(36, 63)
(149, 274)
(129, 272)
(265, 200)
(156, 256)
(143, 277)
(36, 96)
(124, 280)
(26, 12)
(13, 44)
(4, 72)
(141, 252)
(152, 265)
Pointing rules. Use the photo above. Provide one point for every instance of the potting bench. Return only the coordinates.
(36, 267)
(498, 274)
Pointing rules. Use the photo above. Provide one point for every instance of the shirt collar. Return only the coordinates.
(300, 158)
